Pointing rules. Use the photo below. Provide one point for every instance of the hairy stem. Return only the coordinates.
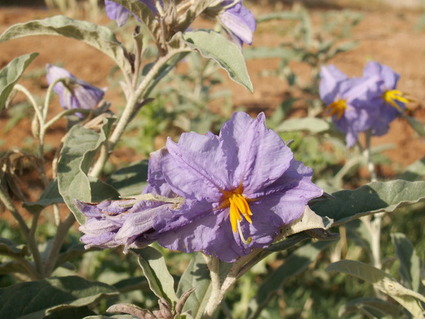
(216, 293)
(133, 101)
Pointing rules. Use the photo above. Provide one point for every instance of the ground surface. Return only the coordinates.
(386, 35)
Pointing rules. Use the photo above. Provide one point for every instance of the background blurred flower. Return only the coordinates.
(120, 14)
(238, 21)
(74, 93)
(240, 187)
(344, 98)
(385, 102)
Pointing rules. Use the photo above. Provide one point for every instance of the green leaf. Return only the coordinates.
(376, 307)
(415, 171)
(295, 264)
(410, 265)
(196, 275)
(79, 149)
(36, 299)
(156, 272)
(130, 180)
(369, 199)
(311, 124)
(9, 248)
(11, 73)
(418, 126)
(409, 299)
(227, 54)
(99, 37)
(99, 191)
(71, 313)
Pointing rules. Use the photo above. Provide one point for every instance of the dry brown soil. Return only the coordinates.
(386, 35)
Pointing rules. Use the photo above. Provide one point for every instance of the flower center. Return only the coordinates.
(239, 209)
(337, 108)
(394, 96)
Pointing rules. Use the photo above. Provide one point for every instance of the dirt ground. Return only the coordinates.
(386, 35)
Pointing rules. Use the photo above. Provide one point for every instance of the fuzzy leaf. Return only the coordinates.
(79, 149)
(36, 299)
(409, 299)
(415, 171)
(156, 272)
(410, 265)
(99, 37)
(369, 199)
(311, 124)
(11, 73)
(196, 275)
(227, 54)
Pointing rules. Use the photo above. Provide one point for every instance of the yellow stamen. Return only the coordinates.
(238, 210)
(394, 96)
(337, 108)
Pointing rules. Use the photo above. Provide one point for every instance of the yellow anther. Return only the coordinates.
(337, 108)
(394, 96)
(238, 210)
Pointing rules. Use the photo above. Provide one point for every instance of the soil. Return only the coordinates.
(387, 35)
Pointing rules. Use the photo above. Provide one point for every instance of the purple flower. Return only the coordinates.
(120, 14)
(76, 93)
(385, 102)
(241, 187)
(344, 98)
(238, 21)
(127, 223)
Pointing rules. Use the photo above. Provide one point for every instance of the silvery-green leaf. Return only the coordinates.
(410, 265)
(415, 171)
(369, 199)
(99, 37)
(311, 124)
(409, 299)
(227, 54)
(79, 149)
(156, 272)
(11, 73)
(36, 299)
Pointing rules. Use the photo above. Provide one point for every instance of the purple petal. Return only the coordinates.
(77, 93)
(249, 145)
(116, 12)
(239, 22)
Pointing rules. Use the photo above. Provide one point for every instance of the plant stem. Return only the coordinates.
(135, 98)
(61, 233)
(216, 293)
(27, 233)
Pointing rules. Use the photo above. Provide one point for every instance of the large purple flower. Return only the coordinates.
(385, 102)
(345, 98)
(238, 21)
(76, 93)
(241, 187)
